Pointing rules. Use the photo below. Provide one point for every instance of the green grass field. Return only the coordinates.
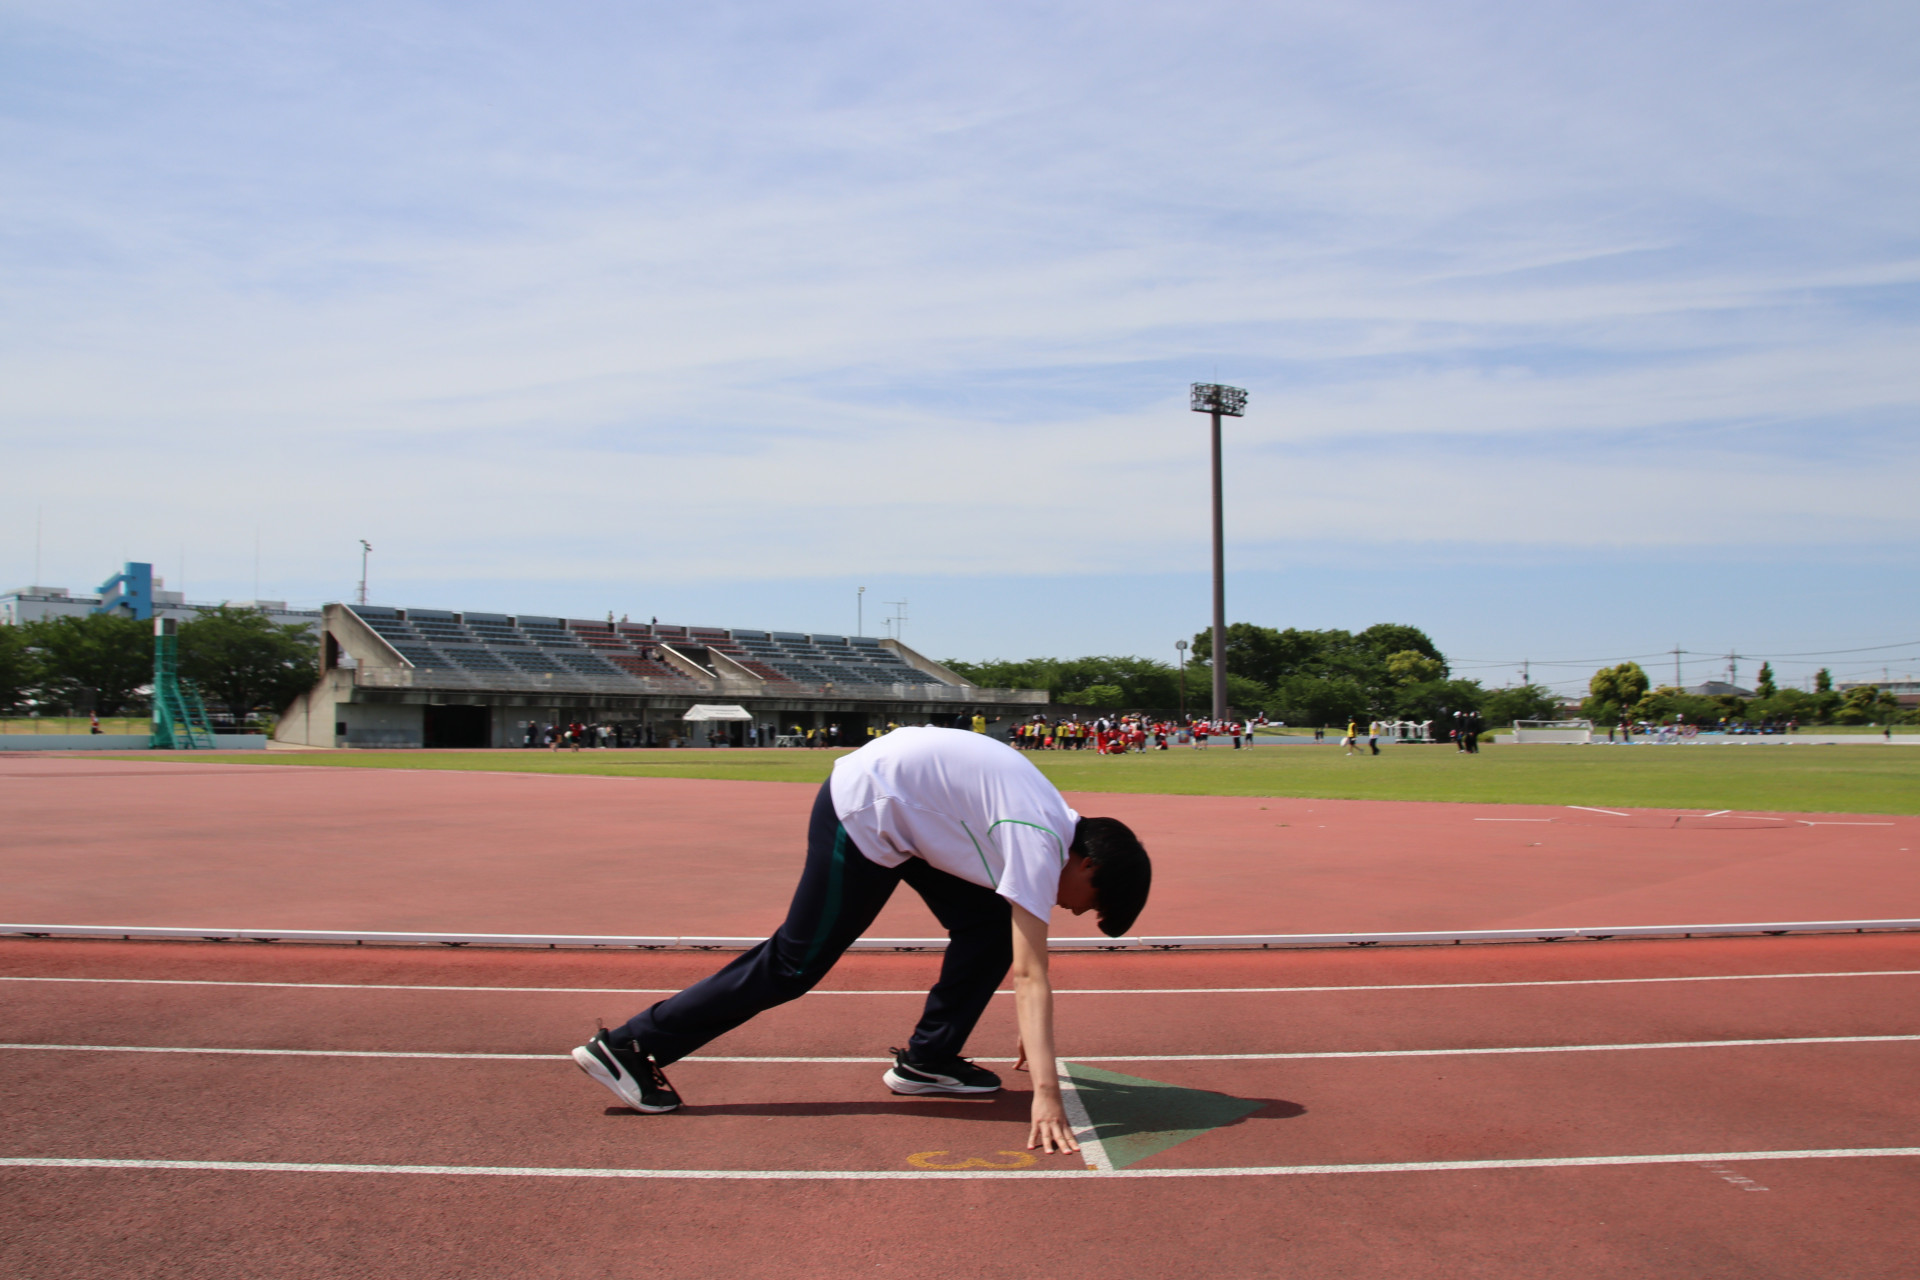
(1830, 779)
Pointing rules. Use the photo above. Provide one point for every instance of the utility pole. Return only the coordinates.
(1219, 401)
(1676, 668)
(899, 618)
(366, 549)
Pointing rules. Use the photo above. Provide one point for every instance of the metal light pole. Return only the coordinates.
(1231, 402)
(365, 548)
(1181, 647)
(860, 611)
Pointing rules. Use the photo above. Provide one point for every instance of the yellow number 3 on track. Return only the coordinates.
(927, 1160)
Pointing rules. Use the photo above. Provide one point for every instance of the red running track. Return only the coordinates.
(1386, 1099)
(133, 843)
(1413, 1056)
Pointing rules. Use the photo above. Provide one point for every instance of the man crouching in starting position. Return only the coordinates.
(990, 845)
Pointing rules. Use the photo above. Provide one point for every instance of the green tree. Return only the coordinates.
(1244, 695)
(1789, 704)
(1099, 695)
(1823, 681)
(1864, 704)
(1385, 638)
(1409, 666)
(1309, 700)
(16, 667)
(1282, 660)
(1143, 682)
(245, 660)
(102, 660)
(1438, 700)
(1614, 691)
(1670, 704)
(1521, 702)
(1764, 687)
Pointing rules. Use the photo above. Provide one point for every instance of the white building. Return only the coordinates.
(30, 604)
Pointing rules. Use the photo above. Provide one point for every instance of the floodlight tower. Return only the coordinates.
(366, 549)
(1229, 402)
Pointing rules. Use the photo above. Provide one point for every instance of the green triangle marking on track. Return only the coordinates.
(1135, 1118)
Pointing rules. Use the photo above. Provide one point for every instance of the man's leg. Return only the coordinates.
(839, 894)
(979, 929)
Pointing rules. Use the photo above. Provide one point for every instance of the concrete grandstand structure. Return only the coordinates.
(394, 677)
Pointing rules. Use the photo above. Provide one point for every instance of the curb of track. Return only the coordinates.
(361, 937)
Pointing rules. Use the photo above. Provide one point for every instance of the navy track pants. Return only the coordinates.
(840, 893)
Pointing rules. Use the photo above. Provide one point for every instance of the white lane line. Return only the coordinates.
(1080, 1057)
(1717, 813)
(1513, 819)
(1803, 822)
(1587, 809)
(397, 986)
(1067, 991)
(1084, 1132)
(886, 1175)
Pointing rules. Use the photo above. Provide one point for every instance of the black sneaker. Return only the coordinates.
(634, 1077)
(955, 1075)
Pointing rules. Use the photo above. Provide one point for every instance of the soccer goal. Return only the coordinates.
(1577, 731)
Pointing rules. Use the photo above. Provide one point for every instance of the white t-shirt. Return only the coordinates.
(973, 807)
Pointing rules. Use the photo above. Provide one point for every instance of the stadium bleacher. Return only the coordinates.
(499, 646)
(399, 677)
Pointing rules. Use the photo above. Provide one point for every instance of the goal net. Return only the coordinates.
(1577, 731)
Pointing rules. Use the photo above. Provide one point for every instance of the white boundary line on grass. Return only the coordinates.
(1079, 1057)
(1131, 943)
(885, 1175)
(918, 992)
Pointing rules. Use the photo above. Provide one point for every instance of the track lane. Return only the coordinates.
(1642, 1223)
(1105, 1025)
(838, 1116)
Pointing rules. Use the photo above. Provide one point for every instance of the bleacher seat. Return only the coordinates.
(497, 645)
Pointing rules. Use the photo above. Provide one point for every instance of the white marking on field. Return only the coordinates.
(1082, 1121)
(885, 1175)
(1082, 1057)
(1587, 809)
(1803, 822)
(1513, 819)
(1738, 1180)
(919, 992)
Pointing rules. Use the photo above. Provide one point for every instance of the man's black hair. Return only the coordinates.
(1122, 872)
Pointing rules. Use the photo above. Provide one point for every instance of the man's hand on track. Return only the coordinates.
(1050, 1133)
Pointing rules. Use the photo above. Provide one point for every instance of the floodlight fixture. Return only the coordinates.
(1229, 402)
(1211, 397)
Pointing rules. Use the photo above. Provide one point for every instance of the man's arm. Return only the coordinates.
(1033, 1006)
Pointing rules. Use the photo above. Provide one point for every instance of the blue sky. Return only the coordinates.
(1571, 331)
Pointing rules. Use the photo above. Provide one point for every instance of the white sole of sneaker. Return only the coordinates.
(900, 1084)
(621, 1086)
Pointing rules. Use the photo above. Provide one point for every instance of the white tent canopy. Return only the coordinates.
(716, 711)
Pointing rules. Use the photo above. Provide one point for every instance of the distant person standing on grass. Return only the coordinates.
(992, 848)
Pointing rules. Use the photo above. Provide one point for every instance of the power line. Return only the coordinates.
(1471, 664)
